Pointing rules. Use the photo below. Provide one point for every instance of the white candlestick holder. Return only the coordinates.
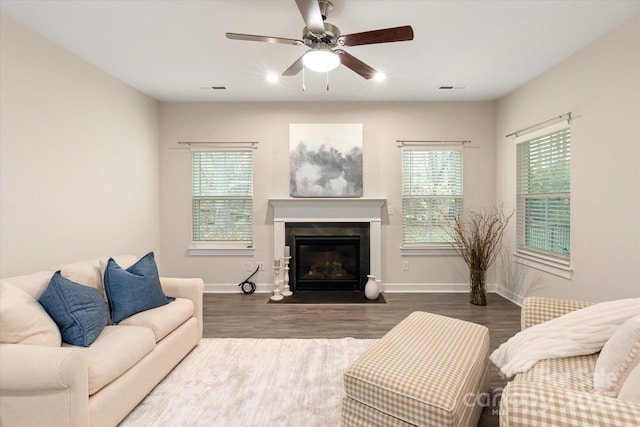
(277, 296)
(286, 291)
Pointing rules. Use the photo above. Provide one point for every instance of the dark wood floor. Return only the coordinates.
(250, 316)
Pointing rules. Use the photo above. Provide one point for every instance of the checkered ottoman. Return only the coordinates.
(426, 371)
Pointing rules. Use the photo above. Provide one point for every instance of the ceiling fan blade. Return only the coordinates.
(386, 35)
(356, 65)
(267, 39)
(294, 68)
(310, 11)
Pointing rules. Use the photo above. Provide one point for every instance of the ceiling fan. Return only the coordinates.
(326, 42)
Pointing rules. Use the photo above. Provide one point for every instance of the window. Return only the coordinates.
(543, 193)
(431, 194)
(222, 183)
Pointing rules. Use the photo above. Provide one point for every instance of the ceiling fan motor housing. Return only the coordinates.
(330, 36)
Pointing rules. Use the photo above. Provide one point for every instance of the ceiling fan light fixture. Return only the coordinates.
(321, 60)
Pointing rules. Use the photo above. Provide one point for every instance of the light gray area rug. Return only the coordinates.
(253, 382)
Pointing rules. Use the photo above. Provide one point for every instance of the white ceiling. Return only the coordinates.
(176, 50)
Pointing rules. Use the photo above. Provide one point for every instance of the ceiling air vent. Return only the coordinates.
(450, 87)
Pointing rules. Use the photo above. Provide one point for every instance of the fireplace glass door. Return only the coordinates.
(327, 262)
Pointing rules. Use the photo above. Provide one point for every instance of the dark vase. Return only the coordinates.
(478, 295)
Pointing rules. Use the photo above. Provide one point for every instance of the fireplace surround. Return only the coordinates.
(335, 211)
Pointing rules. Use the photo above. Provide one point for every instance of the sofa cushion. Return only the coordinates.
(164, 319)
(135, 289)
(23, 320)
(79, 311)
(34, 284)
(630, 390)
(618, 357)
(574, 373)
(114, 352)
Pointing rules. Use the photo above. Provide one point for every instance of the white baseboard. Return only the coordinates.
(430, 287)
(509, 295)
(386, 287)
(450, 288)
(234, 289)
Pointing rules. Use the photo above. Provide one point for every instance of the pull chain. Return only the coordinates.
(327, 81)
(303, 88)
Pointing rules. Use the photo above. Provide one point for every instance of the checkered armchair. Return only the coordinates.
(559, 392)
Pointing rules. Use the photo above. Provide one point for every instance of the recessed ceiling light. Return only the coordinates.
(380, 77)
(272, 77)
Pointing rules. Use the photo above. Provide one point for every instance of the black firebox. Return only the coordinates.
(328, 256)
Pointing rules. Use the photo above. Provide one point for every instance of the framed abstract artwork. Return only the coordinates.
(325, 160)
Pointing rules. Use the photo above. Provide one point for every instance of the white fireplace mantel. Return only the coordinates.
(331, 210)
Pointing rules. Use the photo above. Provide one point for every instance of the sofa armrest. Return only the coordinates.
(186, 288)
(540, 309)
(43, 386)
(532, 405)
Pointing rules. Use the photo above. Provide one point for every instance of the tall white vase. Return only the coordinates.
(371, 289)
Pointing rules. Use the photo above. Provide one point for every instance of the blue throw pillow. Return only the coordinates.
(78, 310)
(133, 290)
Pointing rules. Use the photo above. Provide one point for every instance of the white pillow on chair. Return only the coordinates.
(619, 356)
(630, 390)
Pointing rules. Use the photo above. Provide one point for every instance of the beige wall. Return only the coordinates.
(600, 86)
(79, 159)
(82, 174)
(268, 123)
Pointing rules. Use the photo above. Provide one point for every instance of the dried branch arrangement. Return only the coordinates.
(478, 241)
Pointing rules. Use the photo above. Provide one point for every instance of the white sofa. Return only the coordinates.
(99, 385)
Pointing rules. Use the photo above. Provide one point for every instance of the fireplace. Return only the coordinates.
(328, 256)
(323, 213)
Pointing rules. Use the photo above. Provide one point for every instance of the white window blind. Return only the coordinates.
(222, 188)
(543, 194)
(431, 194)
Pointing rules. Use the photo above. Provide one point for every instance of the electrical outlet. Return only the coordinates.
(405, 265)
(249, 266)
(260, 266)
